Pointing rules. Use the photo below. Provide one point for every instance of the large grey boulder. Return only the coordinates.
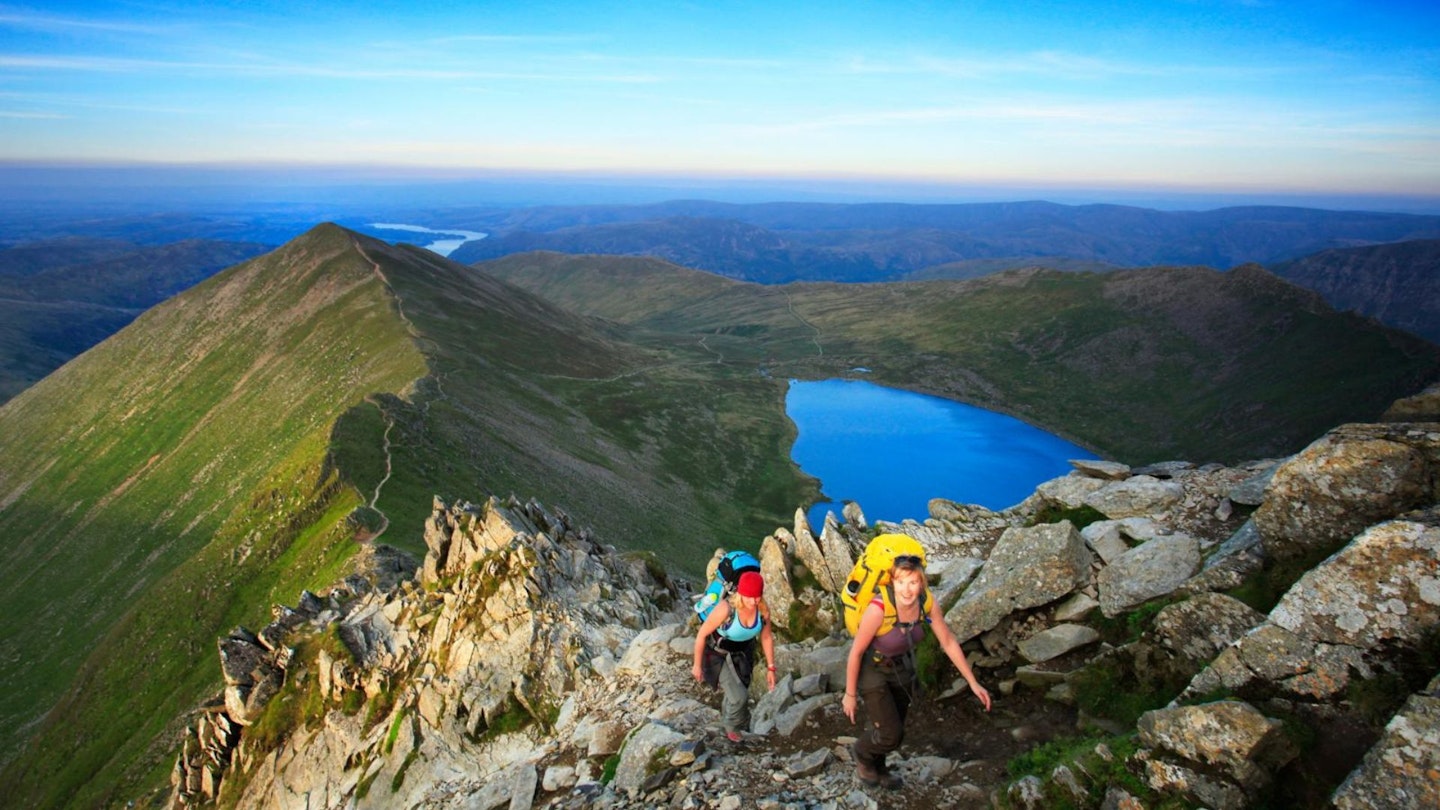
(1138, 496)
(652, 742)
(1231, 740)
(1153, 568)
(1384, 585)
(808, 552)
(1351, 478)
(1199, 628)
(1069, 491)
(1027, 568)
(1361, 608)
(839, 558)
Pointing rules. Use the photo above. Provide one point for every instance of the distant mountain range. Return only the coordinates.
(781, 242)
(1397, 284)
(59, 297)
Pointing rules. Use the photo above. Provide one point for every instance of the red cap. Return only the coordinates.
(751, 585)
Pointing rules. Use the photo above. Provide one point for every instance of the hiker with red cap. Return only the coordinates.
(725, 650)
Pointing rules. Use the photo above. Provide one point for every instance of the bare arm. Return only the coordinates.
(767, 646)
(712, 623)
(951, 646)
(870, 622)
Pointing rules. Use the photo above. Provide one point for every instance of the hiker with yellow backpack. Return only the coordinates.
(887, 605)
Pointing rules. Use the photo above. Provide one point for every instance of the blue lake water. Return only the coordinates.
(454, 238)
(891, 451)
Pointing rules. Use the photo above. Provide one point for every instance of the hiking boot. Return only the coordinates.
(864, 771)
(891, 780)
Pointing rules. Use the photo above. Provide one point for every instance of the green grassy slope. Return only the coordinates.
(1140, 365)
(200, 465)
(59, 297)
(152, 448)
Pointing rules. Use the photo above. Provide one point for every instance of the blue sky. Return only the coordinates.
(1204, 95)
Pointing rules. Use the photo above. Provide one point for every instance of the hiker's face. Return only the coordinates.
(908, 584)
(749, 602)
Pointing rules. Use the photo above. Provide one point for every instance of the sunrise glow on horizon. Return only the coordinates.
(1329, 97)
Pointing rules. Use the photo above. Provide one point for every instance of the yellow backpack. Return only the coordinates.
(871, 577)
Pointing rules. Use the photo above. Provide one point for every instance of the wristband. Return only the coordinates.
(772, 669)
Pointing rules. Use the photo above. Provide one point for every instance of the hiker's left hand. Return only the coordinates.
(982, 693)
(770, 678)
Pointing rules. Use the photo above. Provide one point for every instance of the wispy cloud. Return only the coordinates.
(32, 115)
(10, 18)
(302, 70)
(1053, 64)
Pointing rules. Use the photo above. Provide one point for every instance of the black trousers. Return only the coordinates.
(887, 687)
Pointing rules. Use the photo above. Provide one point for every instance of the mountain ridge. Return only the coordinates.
(235, 443)
(885, 241)
(245, 440)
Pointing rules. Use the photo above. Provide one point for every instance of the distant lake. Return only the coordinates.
(891, 451)
(454, 238)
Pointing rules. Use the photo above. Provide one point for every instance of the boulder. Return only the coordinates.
(1104, 470)
(807, 551)
(1197, 629)
(652, 742)
(1403, 768)
(1385, 585)
(1154, 568)
(1364, 606)
(1230, 736)
(775, 568)
(1139, 496)
(1069, 491)
(1351, 478)
(1027, 568)
(1056, 641)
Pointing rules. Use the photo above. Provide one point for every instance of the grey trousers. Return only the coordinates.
(735, 707)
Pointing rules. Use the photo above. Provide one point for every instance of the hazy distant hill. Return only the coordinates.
(1397, 284)
(1142, 365)
(59, 297)
(975, 268)
(780, 242)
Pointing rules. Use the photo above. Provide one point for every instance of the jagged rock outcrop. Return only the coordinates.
(1351, 478)
(528, 665)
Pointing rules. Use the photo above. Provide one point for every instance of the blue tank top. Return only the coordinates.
(734, 630)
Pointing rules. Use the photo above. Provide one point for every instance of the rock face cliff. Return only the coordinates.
(1397, 284)
(1228, 637)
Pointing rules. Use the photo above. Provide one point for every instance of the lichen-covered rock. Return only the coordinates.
(775, 568)
(1138, 496)
(1198, 628)
(1384, 585)
(1028, 567)
(1153, 568)
(1403, 768)
(1351, 478)
(1230, 735)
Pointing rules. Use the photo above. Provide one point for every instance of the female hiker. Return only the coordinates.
(725, 650)
(882, 666)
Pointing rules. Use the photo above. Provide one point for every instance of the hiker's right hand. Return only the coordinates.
(848, 704)
(698, 673)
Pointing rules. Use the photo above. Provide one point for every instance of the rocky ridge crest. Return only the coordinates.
(527, 665)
